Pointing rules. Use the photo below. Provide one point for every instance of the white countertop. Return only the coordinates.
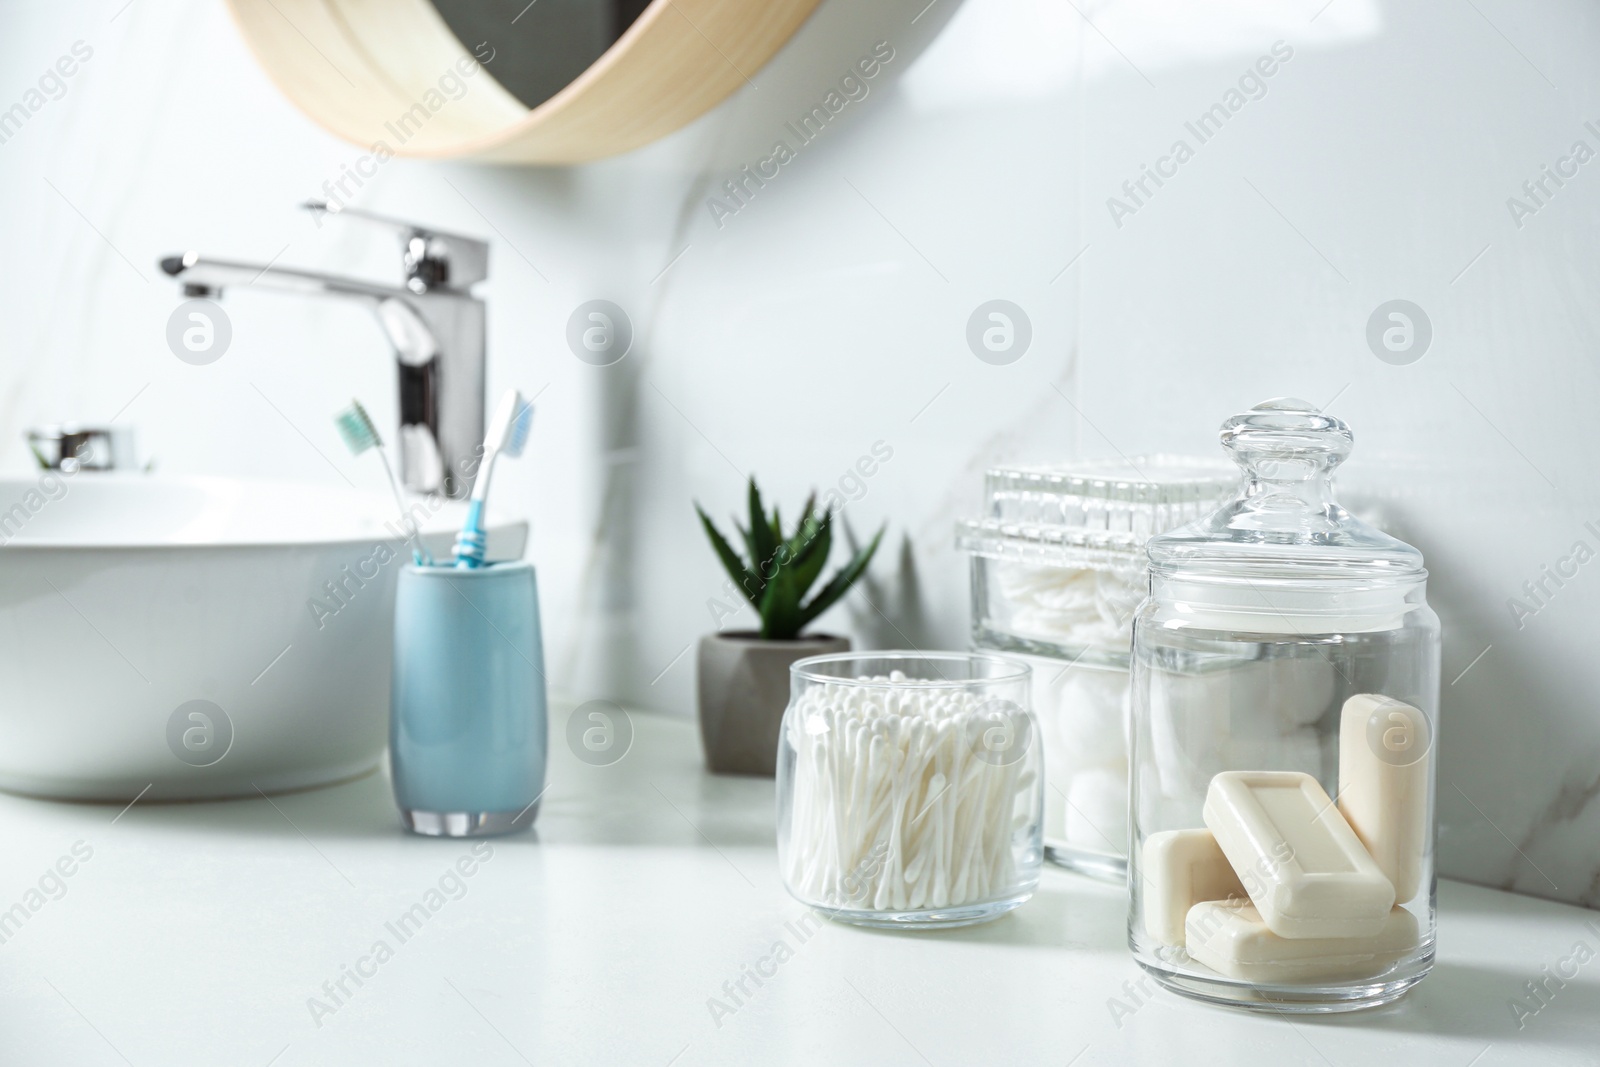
(196, 934)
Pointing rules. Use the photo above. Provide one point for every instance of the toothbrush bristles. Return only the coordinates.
(521, 427)
(357, 429)
(508, 428)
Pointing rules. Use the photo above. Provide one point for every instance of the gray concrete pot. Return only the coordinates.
(743, 686)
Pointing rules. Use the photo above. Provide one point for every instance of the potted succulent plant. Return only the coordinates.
(743, 680)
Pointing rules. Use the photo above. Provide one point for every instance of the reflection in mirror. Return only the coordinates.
(539, 46)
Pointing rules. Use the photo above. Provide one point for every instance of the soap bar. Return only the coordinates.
(1384, 784)
(1231, 939)
(1180, 869)
(1304, 868)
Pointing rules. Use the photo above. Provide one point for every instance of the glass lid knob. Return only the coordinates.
(1285, 523)
(1286, 440)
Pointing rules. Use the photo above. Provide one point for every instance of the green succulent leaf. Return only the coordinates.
(780, 608)
(747, 582)
(805, 529)
(780, 570)
(841, 581)
(763, 544)
(753, 583)
(810, 548)
(809, 511)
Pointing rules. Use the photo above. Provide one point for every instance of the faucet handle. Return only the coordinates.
(434, 259)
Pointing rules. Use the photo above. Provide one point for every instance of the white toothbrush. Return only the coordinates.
(508, 435)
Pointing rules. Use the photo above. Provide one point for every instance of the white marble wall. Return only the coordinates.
(829, 313)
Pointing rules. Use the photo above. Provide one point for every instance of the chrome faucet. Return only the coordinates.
(434, 323)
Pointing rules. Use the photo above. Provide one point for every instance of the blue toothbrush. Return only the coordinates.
(508, 435)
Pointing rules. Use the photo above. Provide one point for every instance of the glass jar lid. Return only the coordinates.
(1284, 550)
(1094, 514)
(1127, 499)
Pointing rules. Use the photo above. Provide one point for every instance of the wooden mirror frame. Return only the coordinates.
(382, 74)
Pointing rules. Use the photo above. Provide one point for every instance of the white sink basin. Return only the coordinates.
(181, 637)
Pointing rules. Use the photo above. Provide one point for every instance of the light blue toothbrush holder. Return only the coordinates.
(468, 724)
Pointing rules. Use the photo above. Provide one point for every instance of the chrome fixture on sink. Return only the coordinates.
(73, 446)
(434, 323)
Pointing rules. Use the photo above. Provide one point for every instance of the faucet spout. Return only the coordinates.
(217, 275)
(434, 324)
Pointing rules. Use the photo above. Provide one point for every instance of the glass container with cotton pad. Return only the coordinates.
(1058, 569)
(1263, 621)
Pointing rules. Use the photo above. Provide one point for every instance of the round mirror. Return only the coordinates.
(551, 81)
(540, 46)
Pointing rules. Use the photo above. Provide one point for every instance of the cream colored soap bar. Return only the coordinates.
(1231, 939)
(1180, 869)
(1383, 785)
(1303, 867)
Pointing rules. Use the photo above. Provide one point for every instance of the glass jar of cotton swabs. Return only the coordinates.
(910, 787)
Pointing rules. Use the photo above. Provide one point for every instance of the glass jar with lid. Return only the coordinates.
(1283, 741)
(1058, 569)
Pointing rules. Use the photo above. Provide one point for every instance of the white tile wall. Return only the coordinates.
(830, 312)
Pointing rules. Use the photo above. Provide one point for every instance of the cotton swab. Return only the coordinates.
(896, 803)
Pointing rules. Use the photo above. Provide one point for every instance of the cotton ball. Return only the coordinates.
(1245, 690)
(1093, 716)
(1057, 761)
(1271, 696)
(1300, 688)
(1300, 750)
(1157, 810)
(1189, 729)
(1097, 811)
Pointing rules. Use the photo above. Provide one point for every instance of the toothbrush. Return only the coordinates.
(508, 435)
(360, 434)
